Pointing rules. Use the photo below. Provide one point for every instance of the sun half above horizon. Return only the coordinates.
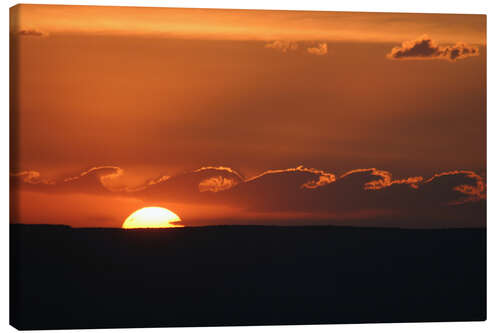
(152, 217)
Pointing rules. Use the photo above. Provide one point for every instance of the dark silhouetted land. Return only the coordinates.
(244, 275)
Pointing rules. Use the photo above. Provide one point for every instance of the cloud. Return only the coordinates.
(367, 194)
(316, 48)
(105, 174)
(319, 177)
(472, 188)
(220, 168)
(455, 197)
(216, 184)
(320, 49)
(96, 180)
(193, 186)
(283, 45)
(384, 179)
(32, 33)
(158, 180)
(442, 189)
(29, 177)
(426, 48)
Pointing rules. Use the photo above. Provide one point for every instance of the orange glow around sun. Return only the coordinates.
(151, 217)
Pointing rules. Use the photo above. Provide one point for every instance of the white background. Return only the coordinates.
(423, 6)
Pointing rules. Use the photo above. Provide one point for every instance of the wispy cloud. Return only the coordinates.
(30, 177)
(384, 179)
(282, 45)
(216, 184)
(315, 48)
(319, 177)
(32, 33)
(96, 180)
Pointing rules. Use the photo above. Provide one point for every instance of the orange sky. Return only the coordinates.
(163, 92)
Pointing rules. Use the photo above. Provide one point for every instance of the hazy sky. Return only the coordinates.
(142, 93)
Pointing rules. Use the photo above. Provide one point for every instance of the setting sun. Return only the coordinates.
(151, 217)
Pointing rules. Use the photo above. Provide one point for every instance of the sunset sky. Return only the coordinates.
(231, 116)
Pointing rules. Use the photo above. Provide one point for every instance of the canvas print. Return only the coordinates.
(203, 167)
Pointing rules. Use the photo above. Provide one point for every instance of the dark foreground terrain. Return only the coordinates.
(247, 275)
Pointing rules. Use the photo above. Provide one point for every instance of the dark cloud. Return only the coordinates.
(362, 193)
(358, 191)
(426, 48)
